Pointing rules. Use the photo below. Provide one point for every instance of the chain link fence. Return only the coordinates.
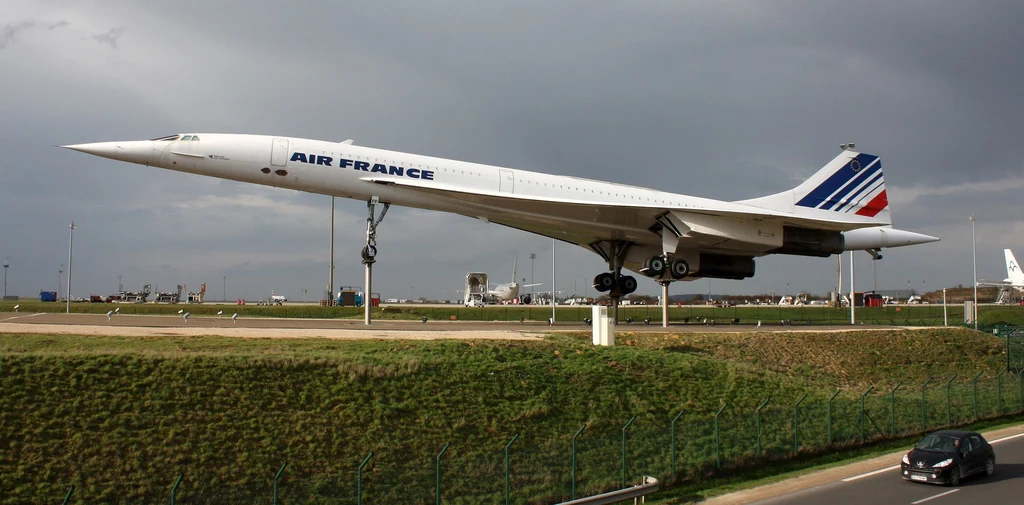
(605, 455)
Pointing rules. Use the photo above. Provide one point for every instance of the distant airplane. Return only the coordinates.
(277, 298)
(665, 236)
(510, 291)
(1014, 276)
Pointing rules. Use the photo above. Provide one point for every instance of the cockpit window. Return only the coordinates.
(166, 139)
(186, 138)
(195, 138)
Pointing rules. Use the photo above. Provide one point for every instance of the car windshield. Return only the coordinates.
(939, 443)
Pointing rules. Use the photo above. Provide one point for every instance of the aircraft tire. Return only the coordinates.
(604, 282)
(627, 284)
(654, 266)
(679, 269)
(525, 299)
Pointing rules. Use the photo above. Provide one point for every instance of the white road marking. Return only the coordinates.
(23, 317)
(1006, 438)
(869, 474)
(940, 495)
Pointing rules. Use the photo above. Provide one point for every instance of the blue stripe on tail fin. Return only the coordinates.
(831, 192)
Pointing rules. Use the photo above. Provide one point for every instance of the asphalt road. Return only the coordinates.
(886, 487)
(154, 321)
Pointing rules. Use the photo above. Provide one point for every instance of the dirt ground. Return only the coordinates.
(143, 331)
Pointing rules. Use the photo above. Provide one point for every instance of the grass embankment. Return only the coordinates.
(909, 315)
(120, 417)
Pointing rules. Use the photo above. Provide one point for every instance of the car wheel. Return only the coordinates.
(954, 476)
(990, 467)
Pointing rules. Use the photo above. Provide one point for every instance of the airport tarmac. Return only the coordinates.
(143, 325)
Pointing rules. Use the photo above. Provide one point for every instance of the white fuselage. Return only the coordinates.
(242, 158)
(572, 209)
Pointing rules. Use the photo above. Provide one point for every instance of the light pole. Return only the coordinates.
(533, 256)
(7, 264)
(974, 247)
(71, 248)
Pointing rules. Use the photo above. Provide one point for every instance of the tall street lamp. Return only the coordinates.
(7, 264)
(533, 256)
(71, 248)
(974, 247)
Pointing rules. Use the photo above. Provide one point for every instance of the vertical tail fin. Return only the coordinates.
(851, 184)
(1013, 272)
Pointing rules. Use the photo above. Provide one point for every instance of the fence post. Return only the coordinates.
(892, 407)
(437, 466)
(829, 414)
(999, 392)
(1020, 389)
(68, 497)
(508, 468)
(949, 403)
(974, 385)
(864, 411)
(718, 440)
(624, 449)
(574, 437)
(277, 477)
(757, 422)
(796, 423)
(174, 489)
(359, 478)
(672, 443)
(924, 421)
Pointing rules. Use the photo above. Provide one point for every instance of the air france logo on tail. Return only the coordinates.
(857, 186)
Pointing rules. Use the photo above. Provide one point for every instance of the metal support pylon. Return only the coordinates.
(370, 253)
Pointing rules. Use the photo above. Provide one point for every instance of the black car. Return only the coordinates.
(944, 457)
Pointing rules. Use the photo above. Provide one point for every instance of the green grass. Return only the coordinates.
(909, 315)
(120, 418)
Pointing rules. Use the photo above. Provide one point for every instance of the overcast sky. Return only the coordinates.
(727, 100)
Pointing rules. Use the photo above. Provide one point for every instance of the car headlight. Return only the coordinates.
(906, 459)
(943, 464)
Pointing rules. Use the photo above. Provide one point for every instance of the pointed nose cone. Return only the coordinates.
(104, 149)
(136, 151)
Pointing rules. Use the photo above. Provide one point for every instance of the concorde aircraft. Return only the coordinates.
(665, 236)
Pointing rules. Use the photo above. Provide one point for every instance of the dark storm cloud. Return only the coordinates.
(726, 100)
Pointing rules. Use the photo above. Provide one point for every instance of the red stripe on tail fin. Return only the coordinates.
(874, 206)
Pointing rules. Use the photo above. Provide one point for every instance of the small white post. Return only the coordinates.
(853, 293)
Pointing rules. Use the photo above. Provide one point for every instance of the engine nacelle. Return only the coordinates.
(721, 266)
(808, 242)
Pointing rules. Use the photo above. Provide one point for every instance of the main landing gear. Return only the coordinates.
(658, 266)
(614, 283)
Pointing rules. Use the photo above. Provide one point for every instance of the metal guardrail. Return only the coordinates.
(647, 486)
